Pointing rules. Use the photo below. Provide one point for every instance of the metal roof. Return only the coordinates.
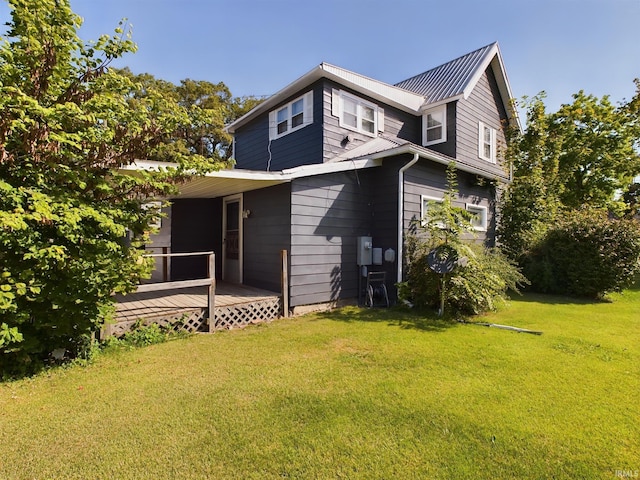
(452, 79)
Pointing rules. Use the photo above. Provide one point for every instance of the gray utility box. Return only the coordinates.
(364, 253)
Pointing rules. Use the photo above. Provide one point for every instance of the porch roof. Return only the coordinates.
(232, 181)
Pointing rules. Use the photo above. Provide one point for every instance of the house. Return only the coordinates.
(335, 156)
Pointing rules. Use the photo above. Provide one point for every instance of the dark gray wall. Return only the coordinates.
(196, 226)
(302, 147)
(328, 213)
(267, 232)
(429, 178)
(484, 104)
(397, 123)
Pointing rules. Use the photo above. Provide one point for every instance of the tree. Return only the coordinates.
(582, 155)
(210, 107)
(68, 125)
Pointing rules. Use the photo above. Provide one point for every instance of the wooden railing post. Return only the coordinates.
(212, 291)
(165, 264)
(284, 283)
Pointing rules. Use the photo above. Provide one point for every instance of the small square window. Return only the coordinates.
(479, 219)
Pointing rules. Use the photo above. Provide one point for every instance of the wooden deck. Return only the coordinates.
(235, 305)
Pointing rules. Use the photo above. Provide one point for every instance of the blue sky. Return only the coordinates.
(257, 47)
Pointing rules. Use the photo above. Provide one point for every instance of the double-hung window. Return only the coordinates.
(358, 114)
(434, 126)
(486, 142)
(291, 117)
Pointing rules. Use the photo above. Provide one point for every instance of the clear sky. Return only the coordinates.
(257, 47)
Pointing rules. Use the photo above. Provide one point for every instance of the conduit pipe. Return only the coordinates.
(406, 167)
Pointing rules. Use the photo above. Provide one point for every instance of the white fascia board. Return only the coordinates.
(322, 168)
(389, 94)
(429, 155)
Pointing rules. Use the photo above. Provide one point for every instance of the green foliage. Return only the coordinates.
(583, 154)
(585, 254)
(142, 335)
(482, 277)
(209, 108)
(71, 219)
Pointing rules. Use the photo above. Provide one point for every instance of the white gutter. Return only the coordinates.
(411, 163)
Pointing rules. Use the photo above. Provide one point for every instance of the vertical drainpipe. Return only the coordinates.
(411, 163)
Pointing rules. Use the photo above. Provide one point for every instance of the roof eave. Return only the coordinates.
(433, 156)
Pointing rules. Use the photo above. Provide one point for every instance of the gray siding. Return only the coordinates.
(396, 124)
(328, 212)
(484, 104)
(430, 179)
(253, 150)
(266, 234)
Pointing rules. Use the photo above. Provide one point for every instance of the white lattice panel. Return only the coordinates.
(239, 316)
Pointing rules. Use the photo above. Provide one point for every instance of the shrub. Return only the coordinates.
(585, 254)
(479, 283)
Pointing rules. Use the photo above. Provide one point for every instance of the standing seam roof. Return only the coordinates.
(447, 80)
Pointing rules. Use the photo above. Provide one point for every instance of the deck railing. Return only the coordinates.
(209, 281)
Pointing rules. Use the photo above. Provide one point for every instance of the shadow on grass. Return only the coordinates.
(395, 316)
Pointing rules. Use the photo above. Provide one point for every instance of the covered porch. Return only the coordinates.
(198, 305)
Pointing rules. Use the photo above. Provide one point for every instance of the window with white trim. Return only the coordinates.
(358, 114)
(425, 202)
(291, 117)
(434, 126)
(486, 142)
(479, 219)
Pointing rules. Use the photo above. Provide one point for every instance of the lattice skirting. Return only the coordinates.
(239, 316)
(185, 320)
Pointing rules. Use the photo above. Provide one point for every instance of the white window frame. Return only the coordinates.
(442, 109)
(287, 111)
(361, 104)
(424, 199)
(482, 142)
(482, 212)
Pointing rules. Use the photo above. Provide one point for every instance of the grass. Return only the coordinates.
(348, 394)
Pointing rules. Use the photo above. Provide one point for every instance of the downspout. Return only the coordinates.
(410, 164)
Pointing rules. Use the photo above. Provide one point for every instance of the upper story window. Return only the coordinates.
(487, 142)
(291, 117)
(434, 126)
(357, 114)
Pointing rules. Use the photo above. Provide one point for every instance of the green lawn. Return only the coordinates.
(349, 394)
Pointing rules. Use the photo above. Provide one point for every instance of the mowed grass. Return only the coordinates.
(349, 394)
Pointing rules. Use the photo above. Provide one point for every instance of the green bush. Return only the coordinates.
(479, 283)
(585, 254)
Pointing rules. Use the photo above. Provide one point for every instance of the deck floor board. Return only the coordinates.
(153, 304)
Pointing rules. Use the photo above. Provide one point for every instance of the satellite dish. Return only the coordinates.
(442, 259)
